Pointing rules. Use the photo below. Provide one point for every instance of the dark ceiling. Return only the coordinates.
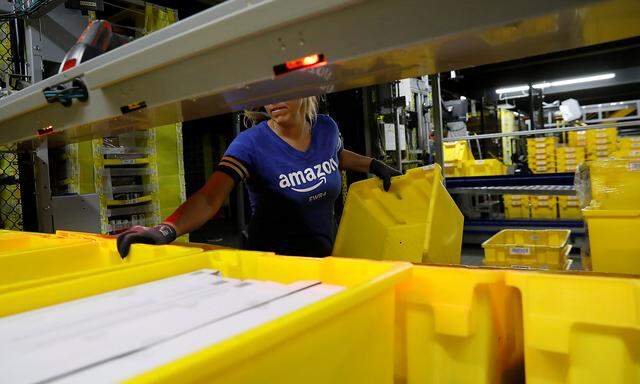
(483, 80)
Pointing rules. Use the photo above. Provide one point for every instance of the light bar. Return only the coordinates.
(557, 83)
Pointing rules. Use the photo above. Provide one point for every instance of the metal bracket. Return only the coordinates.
(65, 93)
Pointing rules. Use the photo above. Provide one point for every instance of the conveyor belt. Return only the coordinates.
(223, 59)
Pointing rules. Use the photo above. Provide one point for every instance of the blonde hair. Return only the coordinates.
(309, 106)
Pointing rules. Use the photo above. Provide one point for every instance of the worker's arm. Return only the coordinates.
(202, 205)
(191, 215)
(353, 162)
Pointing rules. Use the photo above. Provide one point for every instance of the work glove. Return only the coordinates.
(158, 235)
(384, 172)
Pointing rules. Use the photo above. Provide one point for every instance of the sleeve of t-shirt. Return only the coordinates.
(336, 132)
(237, 161)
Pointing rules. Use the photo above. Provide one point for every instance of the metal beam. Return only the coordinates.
(215, 62)
(437, 119)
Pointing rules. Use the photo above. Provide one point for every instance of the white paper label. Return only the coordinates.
(572, 203)
(635, 145)
(634, 153)
(634, 166)
(479, 162)
(128, 161)
(543, 203)
(519, 251)
(539, 139)
(540, 145)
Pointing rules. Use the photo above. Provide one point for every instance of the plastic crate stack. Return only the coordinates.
(127, 182)
(598, 143)
(628, 147)
(541, 154)
(568, 158)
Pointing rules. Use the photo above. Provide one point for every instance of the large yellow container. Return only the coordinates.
(545, 249)
(488, 167)
(615, 184)
(516, 207)
(346, 338)
(613, 240)
(417, 220)
(543, 207)
(579, 329)
(42, 263)
(626, 154)
(458, 325)
(455, 155)
(457, 151)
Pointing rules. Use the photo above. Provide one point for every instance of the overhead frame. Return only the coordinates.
(222, 59)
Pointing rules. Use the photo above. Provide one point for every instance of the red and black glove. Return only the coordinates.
(384, 172)
(158, 235)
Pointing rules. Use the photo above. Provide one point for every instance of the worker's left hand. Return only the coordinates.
(384, 172)
(160, 234)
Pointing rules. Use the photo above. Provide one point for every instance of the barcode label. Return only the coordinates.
(540, 145)
(479, 162)
(539, 139)
(520, 251)
(543, 203)
(634, 153)
(572, 203)
(635, 145)
(128, 161)
(634, 166)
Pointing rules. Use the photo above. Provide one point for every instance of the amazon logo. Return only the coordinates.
(308, 179)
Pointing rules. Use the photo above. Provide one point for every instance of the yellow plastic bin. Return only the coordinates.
(71, 258)
(417, 220)
(615, 184)
(579, 328)
(458, 325)
(345, 338)
(516, 207)
(613, 240)
(488, 167)
(522, 248)
(544, 207)
(569, 207)
(14, 241)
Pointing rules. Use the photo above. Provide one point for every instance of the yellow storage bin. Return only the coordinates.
(454, 169)
(516, 207)
(72, 258)
(15, 241)
(613, 240)
(488, 167)
(545, 249)
(345, 338)
(579, 328)
(458, 325)
(615, 184)
(569, 207)
(629, 143)
(578, 138)
(457, 151)
(543, 207)
(417, 220)
(626, 154)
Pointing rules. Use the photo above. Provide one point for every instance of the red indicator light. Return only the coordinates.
(69, 64)
(301, 63)
(45, 131)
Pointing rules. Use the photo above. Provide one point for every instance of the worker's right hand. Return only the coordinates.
(384, 172)
(160, 234)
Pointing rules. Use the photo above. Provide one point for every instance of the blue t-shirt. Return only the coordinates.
(292, 193)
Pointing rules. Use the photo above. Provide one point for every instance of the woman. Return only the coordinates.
(291, 160)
